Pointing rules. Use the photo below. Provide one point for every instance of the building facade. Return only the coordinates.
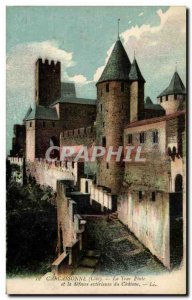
(150, 194)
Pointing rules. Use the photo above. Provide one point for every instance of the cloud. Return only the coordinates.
(21, 63)
(157, 49)
(141, 14)
(21, 77)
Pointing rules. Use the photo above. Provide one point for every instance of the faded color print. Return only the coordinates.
(96, 150)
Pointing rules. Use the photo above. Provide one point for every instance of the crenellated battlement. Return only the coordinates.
(47, 173)
(81, 132)
(16, 160)
(48, 63)
(61, 166)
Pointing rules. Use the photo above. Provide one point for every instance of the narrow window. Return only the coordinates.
(140, 195)
(153, 196)
(175, 97)
(160, 99)
(130, 138)
(155, 137)
(104, 141)
(53, 124)
(107, 87)
(73, 164)
(43, 124)
(166, 97)
(142, 138)
(78, 131)
(107, 166)
(30, 124)
(122, 87)
(103, 124)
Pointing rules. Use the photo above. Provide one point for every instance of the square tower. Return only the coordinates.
(47, 82)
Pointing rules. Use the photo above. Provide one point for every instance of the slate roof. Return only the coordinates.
(135, 73)
(68, 90)
(150, 105)
(176, 86)
(118, 65)
(75, 100)
(42, 113)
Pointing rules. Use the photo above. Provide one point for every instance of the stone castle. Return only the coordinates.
(149, 196)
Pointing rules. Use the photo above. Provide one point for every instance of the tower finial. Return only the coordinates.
(118, 29)
(176, 67)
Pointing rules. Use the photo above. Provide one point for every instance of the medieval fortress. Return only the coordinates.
(149, 196)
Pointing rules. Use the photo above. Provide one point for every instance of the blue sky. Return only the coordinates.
(82, 39)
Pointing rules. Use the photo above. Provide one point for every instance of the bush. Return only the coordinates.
(31, 228)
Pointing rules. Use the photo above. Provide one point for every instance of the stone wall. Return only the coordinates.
(47, 81)
(17, 175)
(97, 193)
(81, 136)
(47, 173)
(71, 227)
(172, 105)
(154, 173)
(76, 115)
(136, 101)
(113, 111)
(148, 220)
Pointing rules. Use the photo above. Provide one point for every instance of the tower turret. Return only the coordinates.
(136, 92)
(173, 97)
(113, 90)
(47, 82)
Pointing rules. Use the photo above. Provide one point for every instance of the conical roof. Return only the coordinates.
(148, 100)
(118, 65)
(135, 73)
(176, 86)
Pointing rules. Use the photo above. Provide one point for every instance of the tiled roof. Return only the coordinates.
(75, 100)
(42, 113)
(157, 119)
(118, 65)
(68, 90)
(150, 105)
(135, 73)
(176, 86)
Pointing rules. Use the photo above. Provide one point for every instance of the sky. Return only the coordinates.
(82, 38)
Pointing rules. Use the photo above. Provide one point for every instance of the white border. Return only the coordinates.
(3, 5)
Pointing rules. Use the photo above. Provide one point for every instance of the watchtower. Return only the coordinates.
(113, 94)
(47, 82)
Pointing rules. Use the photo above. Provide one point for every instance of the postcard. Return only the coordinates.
(96, 150)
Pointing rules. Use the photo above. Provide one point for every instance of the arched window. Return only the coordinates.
(174, 150)
(178, 183)
(169, 151)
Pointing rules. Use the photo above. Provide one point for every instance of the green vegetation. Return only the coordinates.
(31, 228)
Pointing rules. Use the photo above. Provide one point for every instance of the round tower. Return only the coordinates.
(113, 93)
(137, 83)
(172, 99)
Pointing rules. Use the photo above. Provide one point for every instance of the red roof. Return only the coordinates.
(157, 119)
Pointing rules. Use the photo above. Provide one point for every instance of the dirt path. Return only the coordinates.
(121, 252)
